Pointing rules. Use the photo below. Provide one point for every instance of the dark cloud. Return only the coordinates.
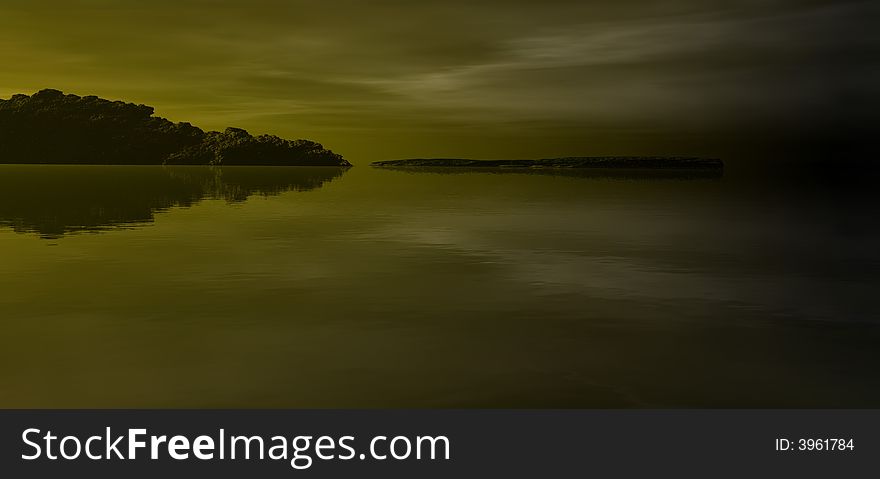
(394, 78)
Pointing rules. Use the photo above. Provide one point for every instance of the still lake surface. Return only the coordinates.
(311, 287)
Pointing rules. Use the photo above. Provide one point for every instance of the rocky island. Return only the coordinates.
(598, 162)
(50, 127)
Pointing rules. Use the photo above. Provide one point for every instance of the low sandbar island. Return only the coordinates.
(606, 162)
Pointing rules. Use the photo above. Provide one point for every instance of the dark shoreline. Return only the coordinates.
(604, 162)
(50, 127)
(589, 173)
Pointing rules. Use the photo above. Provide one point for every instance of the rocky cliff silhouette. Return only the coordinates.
(53, 128)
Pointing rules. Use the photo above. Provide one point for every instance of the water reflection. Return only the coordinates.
(58, 200)
(390, 289)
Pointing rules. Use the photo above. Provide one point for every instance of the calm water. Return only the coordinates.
(274, 287)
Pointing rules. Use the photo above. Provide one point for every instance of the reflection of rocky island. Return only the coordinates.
(602, 162)
(51, 127)
(619, 168)
(53, 201)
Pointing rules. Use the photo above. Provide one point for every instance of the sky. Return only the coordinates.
(488, 79)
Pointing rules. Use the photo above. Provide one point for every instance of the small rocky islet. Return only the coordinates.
(574, 162)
